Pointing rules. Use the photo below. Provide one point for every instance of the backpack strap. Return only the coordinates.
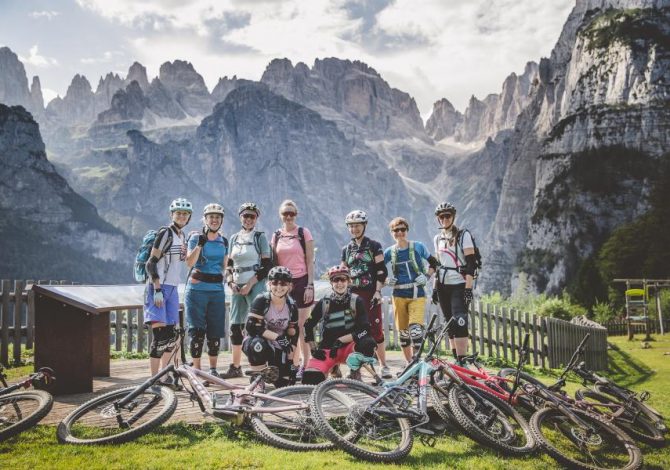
(352, 303)
(303, 243)
(394, 260)
(257, 242)
(412, 259)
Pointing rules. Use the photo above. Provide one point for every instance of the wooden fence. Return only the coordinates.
(620, 327)
(494, 331)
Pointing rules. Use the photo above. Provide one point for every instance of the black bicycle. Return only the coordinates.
(20, 408)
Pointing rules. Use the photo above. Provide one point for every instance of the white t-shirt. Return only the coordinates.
(452, 257)
(244, 254)
(171, 265)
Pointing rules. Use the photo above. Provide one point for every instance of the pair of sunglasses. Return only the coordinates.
(340, 279)
(399, 229)
(288, 214)
(279, 283)
(249, 216)
(445, 216)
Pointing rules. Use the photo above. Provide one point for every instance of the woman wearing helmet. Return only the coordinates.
(293, 247)
(365, 259)
(344, 329)
(408, 276)
(165, 269)
(453, 283)
(248, 265)
(272, 327)
(205, 302)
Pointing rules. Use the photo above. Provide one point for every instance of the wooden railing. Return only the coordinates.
(494, 331)
(620, 327)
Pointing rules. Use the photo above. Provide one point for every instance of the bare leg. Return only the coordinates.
(461, 345)
(381, 353)
(196, 362)
(212, 361)
(303, 314)
(237, 355)
(407, 351)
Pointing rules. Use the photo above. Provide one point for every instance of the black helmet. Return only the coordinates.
(280, 273)
(445, 207)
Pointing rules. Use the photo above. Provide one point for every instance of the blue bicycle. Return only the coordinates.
(377, 424)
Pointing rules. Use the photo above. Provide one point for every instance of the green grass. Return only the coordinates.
(221, 446)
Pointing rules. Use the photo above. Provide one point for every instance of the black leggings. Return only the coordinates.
(452, 305)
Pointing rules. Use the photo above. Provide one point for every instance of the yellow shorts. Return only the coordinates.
(408, 311)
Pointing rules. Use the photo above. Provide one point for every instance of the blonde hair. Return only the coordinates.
(398, 221)
(288, 203)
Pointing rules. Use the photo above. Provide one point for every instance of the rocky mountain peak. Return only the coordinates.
(444, 120)
(36, 95)
(13, 80)
(225, 85)
(138, 73)
(186, 86)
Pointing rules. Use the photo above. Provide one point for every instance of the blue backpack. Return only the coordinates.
(142, 256)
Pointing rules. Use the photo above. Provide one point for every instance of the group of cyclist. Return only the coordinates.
(273, 313)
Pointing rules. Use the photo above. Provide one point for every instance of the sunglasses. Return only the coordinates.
(249, 216)
(445, 216)
(288, 214)
(279, 283)
(399, 229)
(340, 279)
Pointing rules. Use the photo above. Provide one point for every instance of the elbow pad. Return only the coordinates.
(151, 267)
(470, 265)
(433, 262)
(255, 326)
(382, 272)
(359, 333)
(266, 265)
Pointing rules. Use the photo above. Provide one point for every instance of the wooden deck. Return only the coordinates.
(125, 373)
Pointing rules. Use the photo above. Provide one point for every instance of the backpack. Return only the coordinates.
(325, 308)
(277, 235)
(412, 260)
(144, 252)
(459, 243)
(257, 241)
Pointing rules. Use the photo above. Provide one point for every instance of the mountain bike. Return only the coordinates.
(376, 424)
(280, 417)
(20, 410)
(572, 431)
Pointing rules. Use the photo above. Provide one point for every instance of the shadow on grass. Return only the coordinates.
(625, 369)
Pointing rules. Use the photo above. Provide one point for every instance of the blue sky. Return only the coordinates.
(428, 48)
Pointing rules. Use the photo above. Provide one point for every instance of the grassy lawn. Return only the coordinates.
(214, 446)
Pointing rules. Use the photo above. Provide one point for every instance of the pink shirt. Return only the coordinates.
(289, 251)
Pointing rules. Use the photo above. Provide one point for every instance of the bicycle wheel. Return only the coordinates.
(490, 421)
(22, 410)
(100, 421)
(637, 425)
(439, 398)
(635, 404)
(522, 399)
(343, 411)
(593, 445)
(291, 430)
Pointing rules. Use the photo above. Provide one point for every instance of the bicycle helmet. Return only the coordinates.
(338, 270)
(356, 217)
(213, 208)
(249, 206)
(181, 204)
(445, 207)
(280, 273)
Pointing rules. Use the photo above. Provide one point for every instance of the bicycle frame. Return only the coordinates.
(27, 383)
(480, 378)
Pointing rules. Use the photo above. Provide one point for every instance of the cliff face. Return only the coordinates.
(47, 229)
(586, 145)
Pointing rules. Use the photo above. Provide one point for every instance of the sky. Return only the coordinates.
(431, 49)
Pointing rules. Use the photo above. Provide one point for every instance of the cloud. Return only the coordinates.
(38, 60)
(49, 15)
(106, 57)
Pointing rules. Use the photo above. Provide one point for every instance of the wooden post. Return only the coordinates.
(496, 312)
(534, 333)
(473, 329)
(118, 332)
(543, 332)
(129, 329)
(513, 316)
(658, 309)
(30, 315)
(18, 304)
(504, 328)
(4, 329)
(489, 338)
(480, 326)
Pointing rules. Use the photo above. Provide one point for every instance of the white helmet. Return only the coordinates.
(181, 204)
(213, 208)
(356, 217)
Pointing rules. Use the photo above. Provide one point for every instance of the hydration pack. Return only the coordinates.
(144, 252)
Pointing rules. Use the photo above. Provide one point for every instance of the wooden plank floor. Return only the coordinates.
(125, 373)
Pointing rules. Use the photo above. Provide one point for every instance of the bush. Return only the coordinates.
(603, 313)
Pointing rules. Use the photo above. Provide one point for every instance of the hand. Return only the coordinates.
(467, 297)
(333, 351)
(202, 239)
(319, 354)
(309, 294)
(158, 298)
(376, 298)
(244, 290)
(234, 287)
(435, 298)
(284, 343)
(391, 281)
(421, 280)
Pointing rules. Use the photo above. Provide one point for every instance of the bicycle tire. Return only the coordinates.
(637, 426)
(523, 400)
(22, 410)
(103, 418)
(653, 415)
(509, 433)
(440, 403)
(340, 412)
(551, 425)
(290, 430)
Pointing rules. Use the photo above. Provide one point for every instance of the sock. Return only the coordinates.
(453, 351)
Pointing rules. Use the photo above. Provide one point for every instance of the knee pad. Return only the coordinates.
(312, 377)
(257, 350)
(164, 339)
(404, 338)
(236, 334)
(416, 333)
(213, 345)
(197, 340)
(366, 346)
(459, 326)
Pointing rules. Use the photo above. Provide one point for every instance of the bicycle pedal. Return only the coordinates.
(428, 441)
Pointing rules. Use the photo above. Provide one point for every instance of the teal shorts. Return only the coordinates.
(239, 304)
